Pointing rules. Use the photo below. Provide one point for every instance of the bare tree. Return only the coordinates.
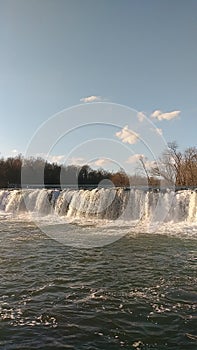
(142, 161)
(177, 168)
(190, 166)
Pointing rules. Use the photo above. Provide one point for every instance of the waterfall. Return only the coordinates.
(100, 203)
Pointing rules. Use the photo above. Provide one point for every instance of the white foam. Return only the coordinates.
(134, 210)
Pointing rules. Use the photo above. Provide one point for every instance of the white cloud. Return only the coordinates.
(56, 158)
(157, 114)
(76, 161)
(127, 136)
(134, 158)
(90, 99)
(141, 116)
(59, 159)
(101, 162)
(150, 164)
(15, 151)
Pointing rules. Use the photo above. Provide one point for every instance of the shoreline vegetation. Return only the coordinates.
(173, 169)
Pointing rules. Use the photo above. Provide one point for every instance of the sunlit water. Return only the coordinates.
(137, 293)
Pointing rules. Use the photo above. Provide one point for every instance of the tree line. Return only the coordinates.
(174, 168)
(37, 171)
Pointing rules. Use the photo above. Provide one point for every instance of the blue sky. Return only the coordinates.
(138, 53)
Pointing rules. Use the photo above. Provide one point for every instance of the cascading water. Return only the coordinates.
(103, 203)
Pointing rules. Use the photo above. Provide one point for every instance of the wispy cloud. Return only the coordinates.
(127, 136)
(157, 131)
(141, 116)
(157, 114)
(92, 98)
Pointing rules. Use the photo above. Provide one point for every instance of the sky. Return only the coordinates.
(57, 54)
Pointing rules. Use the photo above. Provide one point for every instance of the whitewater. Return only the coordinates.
(133, 210)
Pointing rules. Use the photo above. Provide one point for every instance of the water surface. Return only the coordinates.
(137, 293)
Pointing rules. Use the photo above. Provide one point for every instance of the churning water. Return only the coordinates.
(139, 292)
